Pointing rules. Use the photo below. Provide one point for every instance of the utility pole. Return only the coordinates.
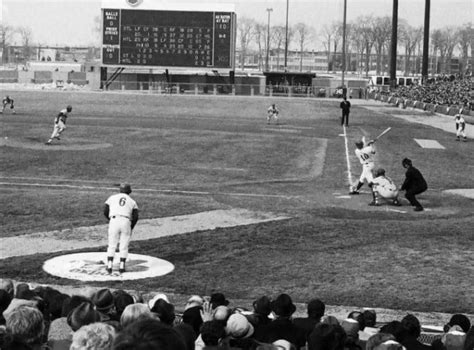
(286, 35)
(393, 47)
(343, 61)
(426, 43)
(268, 39)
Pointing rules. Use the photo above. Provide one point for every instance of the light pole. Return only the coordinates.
(268, 39)
(286, 35)
(343, 61)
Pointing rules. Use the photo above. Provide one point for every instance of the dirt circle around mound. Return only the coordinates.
(69, 144)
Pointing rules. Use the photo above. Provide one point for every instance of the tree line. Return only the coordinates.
(366, 36)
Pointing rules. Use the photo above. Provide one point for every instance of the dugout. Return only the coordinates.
(289, 83)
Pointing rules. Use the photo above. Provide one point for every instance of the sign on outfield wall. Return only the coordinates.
(154, 34)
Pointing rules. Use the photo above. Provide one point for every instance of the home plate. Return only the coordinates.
(343, 196)
(92, 267)
(429, 144)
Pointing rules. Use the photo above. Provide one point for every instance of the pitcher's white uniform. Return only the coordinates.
(121, 206)
(366, 158)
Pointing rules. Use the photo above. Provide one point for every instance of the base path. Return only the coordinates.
(96, 236)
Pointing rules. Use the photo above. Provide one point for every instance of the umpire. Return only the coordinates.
(346, 109)
(414, 184)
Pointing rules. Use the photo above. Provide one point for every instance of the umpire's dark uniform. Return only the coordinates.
(414, 184)
(346, 109)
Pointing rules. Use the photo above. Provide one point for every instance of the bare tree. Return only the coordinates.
(382, 34)
(278, 39)
(26, 36)
(464, 38)
(327, 34)
(259, 33)
(245, 32)
(444, 41)
(303, 31)
(410, 37)
(6, 34)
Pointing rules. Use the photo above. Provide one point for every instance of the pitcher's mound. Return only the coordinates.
(92, 267)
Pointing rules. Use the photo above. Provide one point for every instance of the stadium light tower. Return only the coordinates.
(286, 35)
(268, 39)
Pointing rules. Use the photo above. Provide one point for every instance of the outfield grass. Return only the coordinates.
(337, 249)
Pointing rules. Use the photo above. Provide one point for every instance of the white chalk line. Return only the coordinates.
(182, 192)
(349, 172)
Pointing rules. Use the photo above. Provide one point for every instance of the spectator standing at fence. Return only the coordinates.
(346, 109)
(460, 126)
(414, 184)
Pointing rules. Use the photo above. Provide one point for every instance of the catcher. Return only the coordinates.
(272, 113)
(384, 188)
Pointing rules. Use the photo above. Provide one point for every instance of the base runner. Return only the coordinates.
(59, 124)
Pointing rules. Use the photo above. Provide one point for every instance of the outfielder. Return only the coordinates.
(59, 124)
(384, 188)
(272, 113)
(8, 101)
(365, 153)
(460, 126)
(122, 212)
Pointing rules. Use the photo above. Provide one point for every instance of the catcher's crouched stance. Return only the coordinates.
(122, 212)
(384, 188)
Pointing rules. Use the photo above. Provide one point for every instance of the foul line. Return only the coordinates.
(180, 192)
(349, 173)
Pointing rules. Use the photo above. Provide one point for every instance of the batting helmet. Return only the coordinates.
(69, 108)
(125, 188)
(359, 144)
(406, 162)
(380, 172)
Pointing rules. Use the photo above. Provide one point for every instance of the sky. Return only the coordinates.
(71, 22)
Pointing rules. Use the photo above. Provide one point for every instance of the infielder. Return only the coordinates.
(384, 188)
(122, 212)
(365, 153)
(59, 124)
(8, 101)
(272, 113)
(460, 126)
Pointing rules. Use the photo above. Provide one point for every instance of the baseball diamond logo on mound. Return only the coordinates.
(92, 267)
(134, 2)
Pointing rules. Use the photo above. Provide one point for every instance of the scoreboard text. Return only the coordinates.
(168, 38)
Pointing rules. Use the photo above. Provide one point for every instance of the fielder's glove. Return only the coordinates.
(11, 107)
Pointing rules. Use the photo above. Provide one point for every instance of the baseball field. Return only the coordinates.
(204, 156)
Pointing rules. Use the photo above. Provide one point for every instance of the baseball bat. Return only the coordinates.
(383, 133)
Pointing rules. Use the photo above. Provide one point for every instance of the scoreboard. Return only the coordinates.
(202, 39)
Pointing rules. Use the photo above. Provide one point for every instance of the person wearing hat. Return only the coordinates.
(104, 303)
(282, 327)
(261, 311)
(122, 212)
(218, 299)
(414, 184)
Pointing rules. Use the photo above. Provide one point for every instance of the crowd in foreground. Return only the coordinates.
(442, 90)
(45, 318)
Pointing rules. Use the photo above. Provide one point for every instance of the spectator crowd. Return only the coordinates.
(45, 318)
(443, 90)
